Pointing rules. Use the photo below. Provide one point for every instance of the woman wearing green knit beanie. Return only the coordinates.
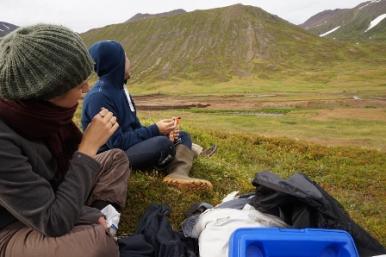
(52, 181)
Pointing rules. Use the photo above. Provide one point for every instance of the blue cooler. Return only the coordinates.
(278, 242)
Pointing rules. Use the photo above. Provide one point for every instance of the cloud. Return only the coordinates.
(87, 14)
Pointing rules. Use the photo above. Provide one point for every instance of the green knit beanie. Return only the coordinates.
(41, 62)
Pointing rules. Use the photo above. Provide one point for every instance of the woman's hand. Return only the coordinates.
(166, 126)
(100, 129)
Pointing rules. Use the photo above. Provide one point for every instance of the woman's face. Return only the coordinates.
(127, 68)
(71, 97)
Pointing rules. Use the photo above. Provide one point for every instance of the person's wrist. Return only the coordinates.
(87, 149)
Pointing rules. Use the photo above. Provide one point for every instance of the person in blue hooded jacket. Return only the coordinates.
(146, 146)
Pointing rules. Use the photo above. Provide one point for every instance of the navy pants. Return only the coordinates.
(155, 152)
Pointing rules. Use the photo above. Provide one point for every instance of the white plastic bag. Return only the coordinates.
(112, 218)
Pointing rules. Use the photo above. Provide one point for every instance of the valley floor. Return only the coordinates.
(343, 121)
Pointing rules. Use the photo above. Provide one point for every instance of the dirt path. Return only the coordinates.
(350, 113)
(164, 102)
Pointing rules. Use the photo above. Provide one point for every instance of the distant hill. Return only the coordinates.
(367, 21)
(143, 16)
(218, 44)
(5, 28)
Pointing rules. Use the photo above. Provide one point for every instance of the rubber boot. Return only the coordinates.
(179, 169)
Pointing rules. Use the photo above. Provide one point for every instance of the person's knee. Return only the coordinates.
(166, 151)
(163, 144)
(112, 156)
(186, 139)
(118, 155)
(82, 241)
(184, 134)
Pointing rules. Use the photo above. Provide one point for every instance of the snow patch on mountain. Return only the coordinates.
(376, 21)
(330, 31)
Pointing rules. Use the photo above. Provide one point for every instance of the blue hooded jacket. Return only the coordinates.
(108, 92)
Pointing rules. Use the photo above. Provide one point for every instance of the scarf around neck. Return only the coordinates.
(45, 122)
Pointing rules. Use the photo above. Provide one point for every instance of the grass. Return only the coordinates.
(355, 177)
(305, 124)
(364, 77)
(243, 112)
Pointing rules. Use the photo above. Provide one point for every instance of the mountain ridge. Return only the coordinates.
(6, 28)
(351, 24)
(218, 44)
(143, 16)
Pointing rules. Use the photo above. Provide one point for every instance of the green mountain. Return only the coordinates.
(143, 16)
(366, 21)
(219, 44)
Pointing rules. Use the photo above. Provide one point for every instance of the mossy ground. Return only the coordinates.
(355, 177)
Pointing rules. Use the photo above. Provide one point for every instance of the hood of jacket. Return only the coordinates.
(109, 57)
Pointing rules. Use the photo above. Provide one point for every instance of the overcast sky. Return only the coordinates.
(82, 15)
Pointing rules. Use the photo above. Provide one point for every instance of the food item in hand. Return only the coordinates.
(174, 134)
(177, 121)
